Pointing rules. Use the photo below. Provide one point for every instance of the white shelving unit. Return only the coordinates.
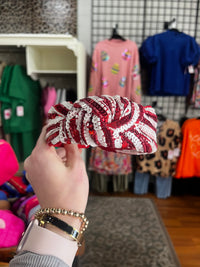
(52, 54)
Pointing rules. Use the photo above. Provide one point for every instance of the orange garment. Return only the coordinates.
(189, 162)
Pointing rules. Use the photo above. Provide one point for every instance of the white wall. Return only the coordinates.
(84, 23)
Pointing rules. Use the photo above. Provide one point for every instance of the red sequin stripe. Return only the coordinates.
(96, 108)
(147, 122)
(127, 144)
(61, 109)
(150, 114)
(51, 137)
(73, 130)
(108, 103)
(144, 141)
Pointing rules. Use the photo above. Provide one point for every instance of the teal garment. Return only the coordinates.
(17, 89)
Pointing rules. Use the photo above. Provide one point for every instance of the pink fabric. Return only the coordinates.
(11, 229)
(8, 162)
(115, 70)
(48, 98)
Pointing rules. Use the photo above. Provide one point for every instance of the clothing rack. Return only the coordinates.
(138, 19)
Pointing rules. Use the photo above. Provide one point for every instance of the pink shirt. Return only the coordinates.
(115, 70)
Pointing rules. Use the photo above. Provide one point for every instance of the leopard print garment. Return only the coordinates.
(163, 162)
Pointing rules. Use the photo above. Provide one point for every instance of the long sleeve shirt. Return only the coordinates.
(29, 259)
(115, 69)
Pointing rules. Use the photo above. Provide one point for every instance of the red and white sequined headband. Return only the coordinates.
(113, 123)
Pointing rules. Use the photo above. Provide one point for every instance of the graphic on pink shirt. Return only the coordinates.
(115, 68)
(90, 88)
(104, 56)
(138, 90)
(122, 81)
(126, 54)
(104, 82)
(94, 66)
(136, 72)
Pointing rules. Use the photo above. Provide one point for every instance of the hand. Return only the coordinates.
(58, 177)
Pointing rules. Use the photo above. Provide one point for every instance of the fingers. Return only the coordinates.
(41, 140)
(72, 154)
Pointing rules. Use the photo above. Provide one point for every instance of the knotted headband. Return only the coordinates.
(113, 123)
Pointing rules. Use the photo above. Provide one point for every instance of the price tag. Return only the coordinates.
(20, 111)
(7, 113)
(177, 152)
(170, 154)
(191, 69)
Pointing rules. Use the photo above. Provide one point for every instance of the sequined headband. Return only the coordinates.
(113, 123)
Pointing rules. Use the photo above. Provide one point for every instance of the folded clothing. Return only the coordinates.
(113, 123)
(9, 163)
(11, 229)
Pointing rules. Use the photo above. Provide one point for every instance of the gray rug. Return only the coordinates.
(126, 232)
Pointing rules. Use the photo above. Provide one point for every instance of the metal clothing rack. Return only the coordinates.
(138, 19)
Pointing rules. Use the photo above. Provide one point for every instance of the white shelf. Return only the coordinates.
(52, 54)
(54, 71)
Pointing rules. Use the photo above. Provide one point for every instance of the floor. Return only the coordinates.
(181, 216)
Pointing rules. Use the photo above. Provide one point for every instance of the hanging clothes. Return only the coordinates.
(21, 109)
(115, 70)
(163, 161)
(195, 100)
(188, 163)
(49, 96)
(169, 54)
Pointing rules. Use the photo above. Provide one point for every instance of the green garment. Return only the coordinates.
(19, 91)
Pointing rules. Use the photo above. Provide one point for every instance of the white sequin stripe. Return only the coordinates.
(149, 134)
(87, 117)
(120, 104)
(135, 140)
(71, 114)
(97, 127)
(56, 120)
(123, 128)
(152, 121)
(144, 128)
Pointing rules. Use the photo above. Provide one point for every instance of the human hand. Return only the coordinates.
(58, 177)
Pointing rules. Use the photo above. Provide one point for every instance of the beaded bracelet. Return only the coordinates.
(61, 211)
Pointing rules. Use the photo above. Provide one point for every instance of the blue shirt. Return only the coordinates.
(169, 54)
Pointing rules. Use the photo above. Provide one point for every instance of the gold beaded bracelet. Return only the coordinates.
(61, 211)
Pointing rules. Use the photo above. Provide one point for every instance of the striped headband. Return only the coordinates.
(113, 123)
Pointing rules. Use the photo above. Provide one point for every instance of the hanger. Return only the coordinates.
(115, 34)
(158, 111)
(171, 25)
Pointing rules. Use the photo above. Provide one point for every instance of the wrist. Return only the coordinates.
(44, 242)
(74, 222)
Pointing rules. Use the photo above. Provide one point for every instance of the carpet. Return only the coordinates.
(126, 232)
